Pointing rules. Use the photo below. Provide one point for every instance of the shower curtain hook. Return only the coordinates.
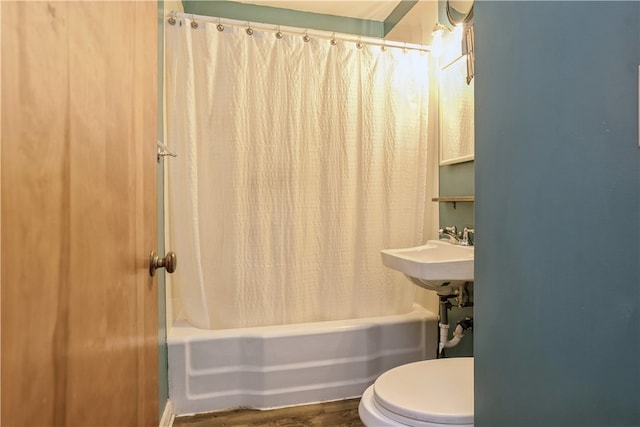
(249, 30)
(279, 33)
(220, 27)
(384, 45)
(333, 39)
(194, 24)
(172, 18)
(405, 50)
(359, 44)
(306, 37)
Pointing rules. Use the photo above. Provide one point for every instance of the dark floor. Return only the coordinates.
(343, 413)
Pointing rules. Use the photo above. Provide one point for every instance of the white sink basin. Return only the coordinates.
(438, 265)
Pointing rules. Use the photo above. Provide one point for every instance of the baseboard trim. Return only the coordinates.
(168, 415)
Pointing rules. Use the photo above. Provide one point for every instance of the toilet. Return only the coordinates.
(429, 393)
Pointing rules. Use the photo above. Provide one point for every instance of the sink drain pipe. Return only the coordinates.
(458, 332)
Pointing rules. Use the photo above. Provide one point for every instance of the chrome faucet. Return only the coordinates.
(451, 233)
(463, 239)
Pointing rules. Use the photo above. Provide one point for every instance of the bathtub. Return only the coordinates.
(275, 366)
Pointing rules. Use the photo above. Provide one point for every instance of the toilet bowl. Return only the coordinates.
(430, 393)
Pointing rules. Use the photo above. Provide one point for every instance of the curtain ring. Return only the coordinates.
(194, 24)
(172, 19)
(359, 44)
(249, 30)
(220, 27)
(384, 45)
(279, 33)
(306, 37)
(333, 40)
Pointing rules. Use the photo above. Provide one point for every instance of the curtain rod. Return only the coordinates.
(303, 32)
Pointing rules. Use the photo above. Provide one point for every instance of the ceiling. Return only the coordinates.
(415, 27)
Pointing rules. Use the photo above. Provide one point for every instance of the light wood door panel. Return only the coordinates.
(78, 215)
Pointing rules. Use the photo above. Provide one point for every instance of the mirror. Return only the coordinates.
(456, 118)
(456, 114)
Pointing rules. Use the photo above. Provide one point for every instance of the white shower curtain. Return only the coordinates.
(297, 163)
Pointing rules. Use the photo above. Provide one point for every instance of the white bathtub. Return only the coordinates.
(276, 366)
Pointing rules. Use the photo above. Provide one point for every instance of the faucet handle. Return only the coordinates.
(452, 229)
(465, 236)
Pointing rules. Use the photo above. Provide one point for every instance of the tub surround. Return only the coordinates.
(277, 366)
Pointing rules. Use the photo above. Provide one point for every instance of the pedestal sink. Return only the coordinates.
(437, 265)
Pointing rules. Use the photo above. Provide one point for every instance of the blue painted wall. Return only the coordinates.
(280, 16)
(457, 180)
(557, 180)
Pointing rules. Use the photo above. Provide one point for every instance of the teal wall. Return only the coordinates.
(457, 180)
(163, 364)
(557, 179)
(294, 18)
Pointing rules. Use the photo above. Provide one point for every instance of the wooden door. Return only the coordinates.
(78, 217)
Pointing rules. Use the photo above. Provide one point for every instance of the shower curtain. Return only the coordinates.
(298, 161)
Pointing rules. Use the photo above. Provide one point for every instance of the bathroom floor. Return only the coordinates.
(342, 413)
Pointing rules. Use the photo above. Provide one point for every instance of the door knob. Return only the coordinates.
(168, 262)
